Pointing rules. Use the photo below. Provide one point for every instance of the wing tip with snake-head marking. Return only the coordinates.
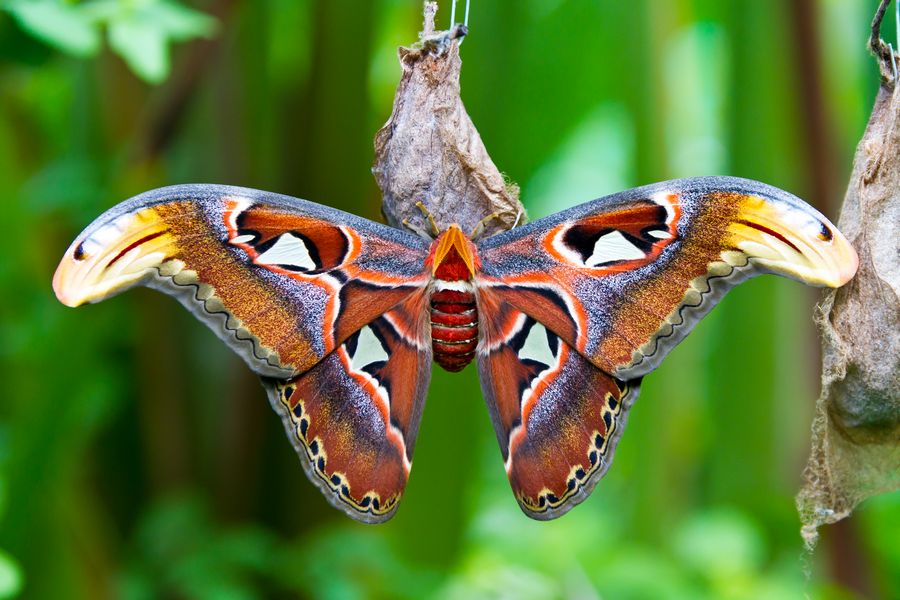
(762, 229)
(777, 230)
(134, 244)
(185, 241)
(782, 233)
(132, 235)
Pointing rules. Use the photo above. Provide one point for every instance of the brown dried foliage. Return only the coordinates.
(429, 150)
(856, 432)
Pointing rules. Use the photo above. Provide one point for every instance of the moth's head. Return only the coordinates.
(453, 256)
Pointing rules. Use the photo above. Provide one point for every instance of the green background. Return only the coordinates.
(139, 458)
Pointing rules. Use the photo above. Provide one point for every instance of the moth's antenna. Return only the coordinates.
(482, 224)
(427, 214)
(452, 14)
(518, 218)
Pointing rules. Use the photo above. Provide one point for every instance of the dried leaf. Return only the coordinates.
(856, 432)
(429, 151)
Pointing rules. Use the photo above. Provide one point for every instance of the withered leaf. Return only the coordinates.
(856, 432)
(430, 152)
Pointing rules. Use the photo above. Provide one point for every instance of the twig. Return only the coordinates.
(436, 41)
(429, 10)
(878, 46)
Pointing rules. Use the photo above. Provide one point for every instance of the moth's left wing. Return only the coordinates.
(353, 417)
(557, 417)
(624, 278)
(327, 307)
(281, 280)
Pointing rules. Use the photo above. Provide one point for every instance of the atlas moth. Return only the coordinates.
(342, 317)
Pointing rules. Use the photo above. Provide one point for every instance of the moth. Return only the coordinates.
(342, 317)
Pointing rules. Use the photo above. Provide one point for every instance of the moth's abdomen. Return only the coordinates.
(454, 324)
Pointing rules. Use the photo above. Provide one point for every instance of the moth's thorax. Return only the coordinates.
(454, 314)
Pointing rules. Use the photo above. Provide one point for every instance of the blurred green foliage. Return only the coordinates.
(139, 31)
(139, 459)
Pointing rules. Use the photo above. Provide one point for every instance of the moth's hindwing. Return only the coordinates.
(624, 278)
(353, 417)
(281, 280)
(557, 417)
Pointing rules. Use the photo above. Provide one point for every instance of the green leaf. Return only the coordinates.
(143, 45)
(64, 26)
(179, 23)
(141, 34)
(140, 31)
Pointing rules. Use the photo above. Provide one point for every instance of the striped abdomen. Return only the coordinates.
(454, 324)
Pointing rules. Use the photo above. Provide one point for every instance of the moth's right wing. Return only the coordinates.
(624, 278)
(558, 418)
